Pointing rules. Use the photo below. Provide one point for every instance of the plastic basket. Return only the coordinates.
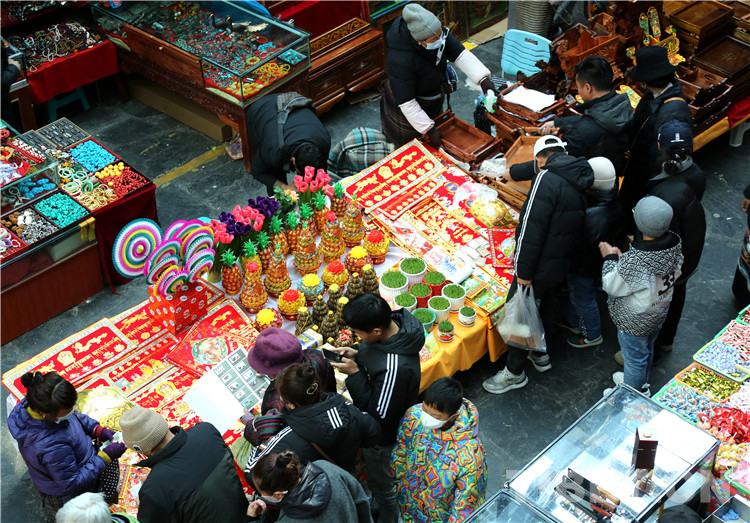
(672, 384)
(680, 378)
(739, 375)
(742, 489)
(726, 328)
(744, 315)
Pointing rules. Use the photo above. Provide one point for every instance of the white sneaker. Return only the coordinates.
(504, 381)
(618, 377)
(540, 361)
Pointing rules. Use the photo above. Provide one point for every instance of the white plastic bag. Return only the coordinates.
(520, 324)
(493, 167)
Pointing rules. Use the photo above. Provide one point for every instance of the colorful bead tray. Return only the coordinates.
(92, 155)
(61, 209)
(29, 225)
(63, 133)
(10, 245)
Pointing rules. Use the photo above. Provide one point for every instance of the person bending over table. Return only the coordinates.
(288, 136)
(418, 50)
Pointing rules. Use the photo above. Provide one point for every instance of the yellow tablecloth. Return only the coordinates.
(467, 347)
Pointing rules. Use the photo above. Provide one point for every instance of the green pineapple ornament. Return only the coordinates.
(264, 250)
(231, 275)
(293, 231)
(352, 226)
(307, 220)
(319, 211)
(278, 237)
(338, 200)
(250, 253)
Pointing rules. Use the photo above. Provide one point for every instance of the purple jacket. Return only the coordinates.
(61, 456)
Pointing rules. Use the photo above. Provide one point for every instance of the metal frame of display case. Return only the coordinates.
(175, 69)
(667, 455)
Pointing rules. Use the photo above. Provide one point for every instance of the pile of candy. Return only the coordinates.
(736, 335)
(740, 474)
(708, 383)
(724, 359)
(684, 401)
(61, 209)
(726, 424)
(29, 226)
(740, 399)
(121, 178)
(91, 155)
(729, 455)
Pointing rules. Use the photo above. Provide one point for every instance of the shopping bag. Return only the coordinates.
(520, 324)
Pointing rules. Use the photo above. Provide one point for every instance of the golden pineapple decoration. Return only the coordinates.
(231, 274)
(253, 296)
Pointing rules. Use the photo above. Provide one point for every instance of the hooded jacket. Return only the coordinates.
(192, 480)
(640, 284)
(549, 228)
(389, 375)
(650, 114)
(688, 218)
(302, 126)
(325, 494)
(441, 475)
(339, 428)
(603, 222)
(61, 457)
(600, 129)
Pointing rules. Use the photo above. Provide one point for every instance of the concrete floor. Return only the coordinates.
(514, 427)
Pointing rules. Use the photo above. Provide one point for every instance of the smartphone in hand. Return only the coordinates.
(331, 355)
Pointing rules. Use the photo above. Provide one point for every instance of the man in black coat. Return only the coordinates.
(681, 184)
(548, 232)
(599, 130)
(419, 48)
(741, 282)
(663, 101)
(288, 136)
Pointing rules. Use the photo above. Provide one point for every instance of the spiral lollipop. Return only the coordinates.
(134, 245)
(197, 245)
(199, 264)
(172, 230)
(176, 282)
(191, 231)
(156, 269)
(166, 278)
(167, 249)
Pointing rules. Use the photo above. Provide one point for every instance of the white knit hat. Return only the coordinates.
(422, 23)
(604, 173)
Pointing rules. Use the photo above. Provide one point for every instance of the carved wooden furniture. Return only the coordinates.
(465, 142)
(579, 42)
(729, 57)
(699, 24)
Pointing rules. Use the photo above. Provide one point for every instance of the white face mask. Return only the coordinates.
(431, 422)
(436, 44)
(67, 416)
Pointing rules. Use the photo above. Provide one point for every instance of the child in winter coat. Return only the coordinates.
(439, 462)
(640, 284)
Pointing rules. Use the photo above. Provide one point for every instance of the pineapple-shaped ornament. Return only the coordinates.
(319, 211)
(304, 321)
(329, 328)
(334, 293)
(307, 258)
(338, 200)
(352, 227)
(293, 231)
(331, 242)
(306, 219)
(277, 276)
(278, 237)
(339, 314)
(320, 310)
(265, 250)
(355, 287)
(250, 253)
(231, 274)
(253, 296)
(370, 280)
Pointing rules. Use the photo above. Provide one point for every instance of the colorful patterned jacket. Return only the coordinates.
(441, 475)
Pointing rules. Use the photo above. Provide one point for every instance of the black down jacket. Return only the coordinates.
(688, 220)
(411, 68)
(549, 229)
(340, 429)
(599, 130)
(603, 222)
(650, 114)
(302, 126)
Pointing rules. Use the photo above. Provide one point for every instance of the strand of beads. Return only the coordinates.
(61, 209)
(91, 155)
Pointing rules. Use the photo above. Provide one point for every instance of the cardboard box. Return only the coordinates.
(176, 312)
(180, 109)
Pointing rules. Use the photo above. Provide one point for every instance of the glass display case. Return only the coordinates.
(227, 49)
(506, 506)
(598, 450)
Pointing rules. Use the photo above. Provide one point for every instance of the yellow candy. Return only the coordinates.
(110, 184)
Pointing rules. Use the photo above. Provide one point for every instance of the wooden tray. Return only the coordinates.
(700, 86)
(741, 14)
(521, 151)
(700, 17)
(729, 57)
(466, 142)
(527, 114)
(701, 112)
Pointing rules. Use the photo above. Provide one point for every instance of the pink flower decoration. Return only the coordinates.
(329, 191)
(323, 177)
(258, 225)
(309, 173)
(314, 185)
(303, 187)
(297, 179)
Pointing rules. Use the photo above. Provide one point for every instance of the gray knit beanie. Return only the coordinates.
(422, 23)
(653, 216)
(142, 429)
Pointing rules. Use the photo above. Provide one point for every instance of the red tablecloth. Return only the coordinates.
(738, 111)
(65, 74)
(112, 218)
